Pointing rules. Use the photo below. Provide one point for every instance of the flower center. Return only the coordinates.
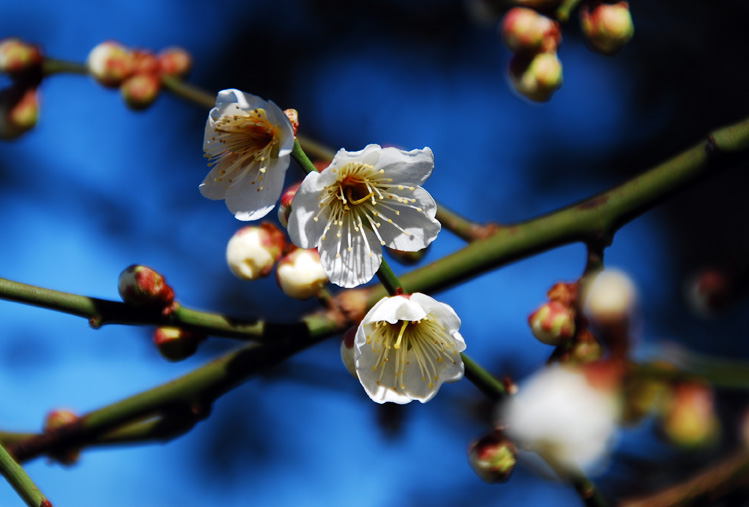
(423, 342)
(244, 143)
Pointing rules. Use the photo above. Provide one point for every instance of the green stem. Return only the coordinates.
(485, 381)
(594, 220)
(21, 482)
(564, 10)
(51, 66)
(462, 227)
(388, 279)
(188, 92)
(297, 153)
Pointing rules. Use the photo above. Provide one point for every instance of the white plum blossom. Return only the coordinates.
(248, 141)
(406, 347)
(363, 201)
(561, 416)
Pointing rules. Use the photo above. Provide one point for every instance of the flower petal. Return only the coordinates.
(352, 259)
(415, 218)
(250, 201)
(303, 230)
(413, 166)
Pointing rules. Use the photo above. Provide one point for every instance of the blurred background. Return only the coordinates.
(96, 187)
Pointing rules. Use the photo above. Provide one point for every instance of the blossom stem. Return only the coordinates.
(297, 153)
(388, 279)
(51, 66)
(462, 227)
(563, 11)
(20, 481)
(188, 92)
(485, 381)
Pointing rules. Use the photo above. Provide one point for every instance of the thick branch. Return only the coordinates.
(21, 482)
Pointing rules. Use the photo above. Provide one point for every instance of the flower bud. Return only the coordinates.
(347, 351)
(17, 56)
(643, 395)
(284, 208)
(253, 250)
(688, 418)
(293, 116)
(527, 30)
(300, 274)
(536, 76)
(585, 349)
(552, 323)
(55, 419)
(492, 457)
(565, 293)
(142, 286)
(607, 27)
(712, 290)
(19, 110)
(110, 63)
(141, 90)
(175, 62)
(610, 299)
(145, 62)
(176, 344)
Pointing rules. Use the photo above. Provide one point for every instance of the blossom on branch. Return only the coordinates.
(363, 201)
(248, 141)
(406, 347)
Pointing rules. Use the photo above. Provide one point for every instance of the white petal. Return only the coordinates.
(354, 267)
(393, 309)
(248, 201)
(276, 116)
(303, 230)
(369, 155)
(421, 227)
(413, 166)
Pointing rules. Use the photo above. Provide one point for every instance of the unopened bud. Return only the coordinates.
(643, 395)
(407, 258)
(110, 63)
(552, 323)
(145, 62)
(607, 27)
(610, 299)
(284, 208)
(55, 419)
(711, 290)
(253, 250)
(175, 343)
(19, 110)
(492, 457)
(565, 293)
(142, 286)
(537, 76)
(688, 417)
(175, 62)
(347, 351)
(293, 116)
(300, 274)
(527, 30)
(585, 349)
(141, 90)
(17, 56)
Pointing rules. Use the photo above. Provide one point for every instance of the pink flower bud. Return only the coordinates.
(17, 56)
(19, 110)
(552, 323)
(110, 63)
(527, 30)
(141, 90)
(175, 62)
(688, 418)
(293, 116)
(536, 76)
(347, 351)
(607, 27)
(145, 62)
(284, 207)
(300, 274)
(142, 286)
(253, 250)
(56, 419)
(176, 344)
(492, 457)
(712, 290)
(610, 299)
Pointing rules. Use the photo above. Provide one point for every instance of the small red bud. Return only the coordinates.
(17, 56)
(300, 274)
(347, 350)
(537, 76)
(253, 250)
(492, 457)
(110, 63)
(293, 117)
(55, 419)
(19, 111)
(284, 208)
(527, 30)
(553, 323)
(141, 90)
(142, 286)
(607, 27)
(175, 62)
(688, 418)
(176, 344)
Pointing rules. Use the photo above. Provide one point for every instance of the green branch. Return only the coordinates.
(21, 482)
(594, 220)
